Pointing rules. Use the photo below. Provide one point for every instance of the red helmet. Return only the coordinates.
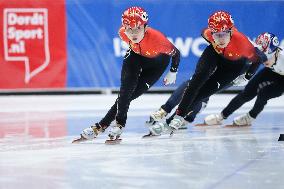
(220, 21)
(134, 17)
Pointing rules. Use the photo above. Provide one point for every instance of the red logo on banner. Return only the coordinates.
(32, 57)
(26, 33)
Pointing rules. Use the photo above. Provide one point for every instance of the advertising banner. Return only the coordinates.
(33, 45)
(95, 51)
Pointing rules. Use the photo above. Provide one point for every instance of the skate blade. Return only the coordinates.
(115, 141)
(78, 140)
(150, 135)
(172, 133)
(205, 125)
(236, 126)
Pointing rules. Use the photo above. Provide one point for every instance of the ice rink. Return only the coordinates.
(36, 150)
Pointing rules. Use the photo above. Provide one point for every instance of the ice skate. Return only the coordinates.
(212, 119)
(80, 139)
(184, 125)
(243, 120)
(176, 123)
(157, 116)
(114, 134)
(89, 133)
(156, 130)
(149, 135)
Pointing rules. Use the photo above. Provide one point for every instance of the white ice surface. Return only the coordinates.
(35, 148)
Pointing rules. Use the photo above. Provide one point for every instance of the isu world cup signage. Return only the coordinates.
(33, 46)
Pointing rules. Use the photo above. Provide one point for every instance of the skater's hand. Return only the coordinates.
(170, 78)
(240, 81)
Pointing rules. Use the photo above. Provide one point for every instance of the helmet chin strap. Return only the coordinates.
(145, 29)
(231, 34)
(277, 54)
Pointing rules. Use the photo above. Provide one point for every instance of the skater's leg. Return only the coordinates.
(110, 116)
(271, 91)
(237, 102)
(218, 81)
(268, 91)
(169, 119)
(168, 106)
(175, 98)
(148, 77)
(213, 73)
(246, 95)
(211, 87)
(130, 72)
(152, 70)
(206, 66)
(197, 108)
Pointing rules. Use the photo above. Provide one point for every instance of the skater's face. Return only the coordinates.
(222, 39)
(271, 58)
(135, 34)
